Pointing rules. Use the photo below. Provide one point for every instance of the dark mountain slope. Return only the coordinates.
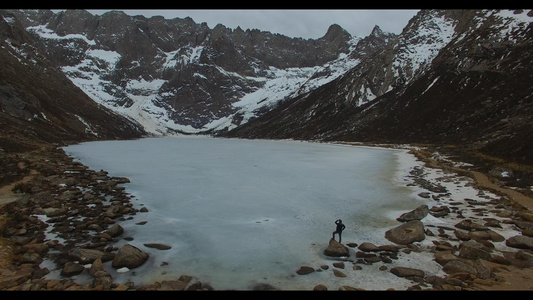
(38, 104)
(476, 94)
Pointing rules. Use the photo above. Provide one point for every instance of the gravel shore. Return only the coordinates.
(478, 244)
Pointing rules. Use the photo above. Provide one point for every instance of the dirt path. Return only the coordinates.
(516, 196)
(6, 193)
(482, 180)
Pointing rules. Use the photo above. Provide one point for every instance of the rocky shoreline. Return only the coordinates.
(83, 208)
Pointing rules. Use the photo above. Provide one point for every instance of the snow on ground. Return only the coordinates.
(460, 194)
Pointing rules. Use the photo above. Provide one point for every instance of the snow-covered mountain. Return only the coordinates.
(178, 76)
(39, 104)
(458, 77)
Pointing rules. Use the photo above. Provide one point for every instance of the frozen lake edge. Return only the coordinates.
(420, 261)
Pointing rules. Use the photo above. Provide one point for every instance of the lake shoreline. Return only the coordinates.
(50, 161)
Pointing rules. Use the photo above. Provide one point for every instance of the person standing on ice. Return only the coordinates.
(339, 229)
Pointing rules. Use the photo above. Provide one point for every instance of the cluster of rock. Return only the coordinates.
(467, 253)
(83, 208)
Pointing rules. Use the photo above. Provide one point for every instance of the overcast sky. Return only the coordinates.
(306, 23)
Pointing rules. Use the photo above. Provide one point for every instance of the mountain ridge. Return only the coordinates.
(450, 77)
(169, 60)
(473, 91)
(40, 105)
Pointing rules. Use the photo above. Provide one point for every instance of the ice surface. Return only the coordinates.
(240, 212)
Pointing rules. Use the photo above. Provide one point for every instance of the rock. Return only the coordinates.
(172, 285)
(88, 256)
(320, 287)
(443, 257)
(115, 230)
(336, 249)
(425, 195)
(71, 269)
(439, 211)
(304, 270)
(338, 273)
(417, 214)
(96, 266)
(407, 233)
(102, 280)
(368, 247)
(389, 248)
(263, 287)
(462, 235)
(523, 259)
(470, 225)
(458, 266)
(130, 257)
(407, 272)
(520, 242)
(474, 250)
(348, 288)
(157, 246)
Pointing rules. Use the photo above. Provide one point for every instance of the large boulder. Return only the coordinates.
(336, 249)
(407, 233)
(71, 269)
(130, 257)
(407, 272)
(417, 214)
(115, 230)
(474, 250)
(520, 242)
(88, 256)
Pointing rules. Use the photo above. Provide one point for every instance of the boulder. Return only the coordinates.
(474, 250)
(407, 233)
(305, 270)
(338, 273)
(407, 272)
(458, 266)
(368, 247)
(115, 230)
(130, 257)
(71, 269)
(320, 287)
(417, 214)
(520, 242)
(172, 285)
(470, 225)
(157, 246)
(88, 256)
(336, 249)
(443, 257)
(439, 211)
(96, 266)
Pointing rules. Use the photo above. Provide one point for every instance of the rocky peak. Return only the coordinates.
(336, 33)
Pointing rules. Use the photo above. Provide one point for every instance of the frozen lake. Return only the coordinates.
(241, 212)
